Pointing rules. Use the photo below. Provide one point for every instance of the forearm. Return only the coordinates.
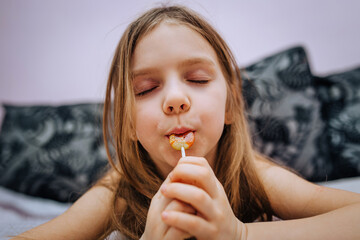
(342, 223)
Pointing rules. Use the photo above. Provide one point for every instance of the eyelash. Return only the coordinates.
(145, 92)
(199, 81)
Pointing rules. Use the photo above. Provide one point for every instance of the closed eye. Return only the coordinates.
(202, 81)
(145, 92)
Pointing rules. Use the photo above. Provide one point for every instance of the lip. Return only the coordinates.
(179, 130)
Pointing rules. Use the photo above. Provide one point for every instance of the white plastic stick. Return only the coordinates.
(183, 152)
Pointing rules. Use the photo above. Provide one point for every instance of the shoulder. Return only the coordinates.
(293, 197)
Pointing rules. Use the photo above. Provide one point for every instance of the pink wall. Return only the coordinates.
(59, 51)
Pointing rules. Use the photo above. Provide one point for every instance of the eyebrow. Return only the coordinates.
(185, 63)
(197, 60)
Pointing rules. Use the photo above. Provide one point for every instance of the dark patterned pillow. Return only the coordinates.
(284, 112)
(340, 109)
(52, 152)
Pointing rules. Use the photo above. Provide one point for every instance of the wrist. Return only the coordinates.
(243, 231)
(240, 231)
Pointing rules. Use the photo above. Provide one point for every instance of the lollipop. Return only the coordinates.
(182, 141)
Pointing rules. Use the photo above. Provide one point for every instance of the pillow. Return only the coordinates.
(52, 152)
(284, 112)
(340, 108)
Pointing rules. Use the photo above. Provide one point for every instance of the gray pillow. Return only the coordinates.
(284, 112)
(52, 152)
(340, 108)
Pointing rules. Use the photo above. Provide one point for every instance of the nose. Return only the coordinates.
(176, 101)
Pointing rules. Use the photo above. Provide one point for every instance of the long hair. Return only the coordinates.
(139, 179)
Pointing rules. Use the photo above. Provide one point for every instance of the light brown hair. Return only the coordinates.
(139, 179)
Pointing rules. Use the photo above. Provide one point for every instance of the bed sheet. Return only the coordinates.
(348, 184)
(19, 212)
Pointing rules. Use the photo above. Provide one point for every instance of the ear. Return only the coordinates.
(131, 132)
(228, 118)
(133, 135)
(228, 115)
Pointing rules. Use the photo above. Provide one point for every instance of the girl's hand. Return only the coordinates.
(193, 182)
(155, 228)
(173, 232)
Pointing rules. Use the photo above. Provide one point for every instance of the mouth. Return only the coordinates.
(179, 131)
(182, 140)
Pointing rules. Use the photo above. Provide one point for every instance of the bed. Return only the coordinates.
(51, 154)
(21, 212)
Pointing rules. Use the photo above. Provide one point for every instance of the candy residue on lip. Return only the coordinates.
(185, 140)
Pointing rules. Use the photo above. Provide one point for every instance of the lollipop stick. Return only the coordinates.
(183, 152)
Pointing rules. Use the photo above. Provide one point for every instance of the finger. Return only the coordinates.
(153, 221)
(192, 195)
(200, 161)
(199, 176)
(194, 225)
(175, 233)
(176, 205)
(158, 194)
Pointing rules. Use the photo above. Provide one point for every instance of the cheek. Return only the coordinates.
(215, 119)
(145, 123)
(214, 116)
(218, 103)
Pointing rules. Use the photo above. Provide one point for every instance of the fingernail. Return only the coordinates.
(164, 215)
(163, 188)
(170, 175)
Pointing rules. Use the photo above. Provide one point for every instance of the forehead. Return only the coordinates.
(170, 43)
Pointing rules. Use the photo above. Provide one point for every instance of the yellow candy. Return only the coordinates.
(182, 140)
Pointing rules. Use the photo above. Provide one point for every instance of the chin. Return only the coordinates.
(167, 165)
(174, 160)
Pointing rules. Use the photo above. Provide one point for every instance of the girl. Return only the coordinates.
(173, 74)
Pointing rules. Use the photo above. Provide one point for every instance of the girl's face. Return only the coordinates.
(179, 87)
